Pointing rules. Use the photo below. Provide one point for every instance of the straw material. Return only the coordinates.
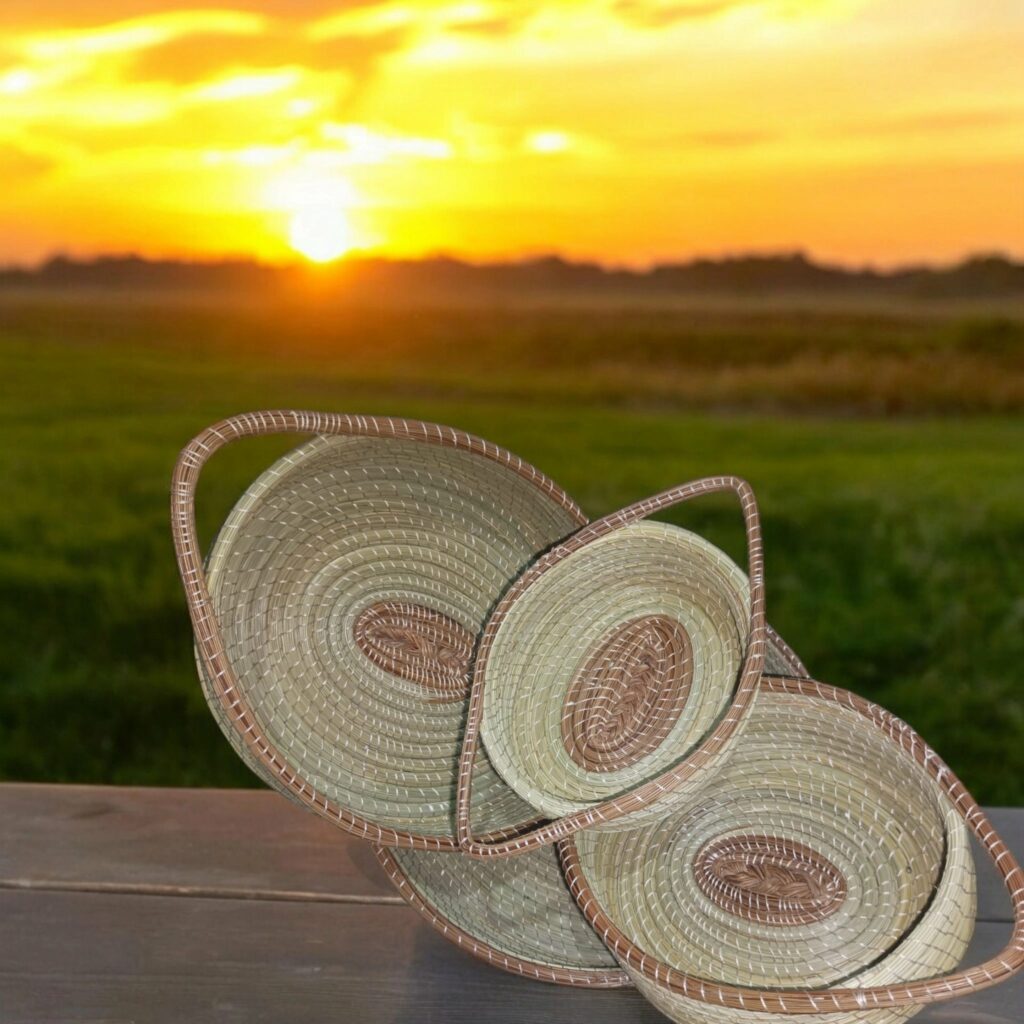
(755, 847)
(604, 719)
(516, 914)
(821, 854)
(350, 583)
(613, 665)
(780, 659)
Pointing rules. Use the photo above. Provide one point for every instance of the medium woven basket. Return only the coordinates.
(337, 614)
(824, 873)
(621, 664)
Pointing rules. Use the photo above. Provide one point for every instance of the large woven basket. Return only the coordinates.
(823, 874)
(622, 662)
(338, 612)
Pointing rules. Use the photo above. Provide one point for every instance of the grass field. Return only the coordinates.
(886, 447)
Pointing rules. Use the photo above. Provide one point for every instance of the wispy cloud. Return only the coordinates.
(939, 122)
(133, 34)
(655, 14)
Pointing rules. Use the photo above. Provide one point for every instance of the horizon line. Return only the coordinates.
(779, 255)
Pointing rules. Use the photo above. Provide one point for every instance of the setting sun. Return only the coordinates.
(321, 235)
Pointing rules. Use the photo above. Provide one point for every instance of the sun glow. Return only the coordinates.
(321, 234)
(406, 129)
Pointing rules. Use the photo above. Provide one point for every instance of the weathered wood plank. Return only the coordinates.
(84, 957)
(116, 952)
(78, 957)
(234, 842)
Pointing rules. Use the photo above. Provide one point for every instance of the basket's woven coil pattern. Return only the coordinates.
(769, 880)
(613, 665)
(866, 797)
(516, 914)
(395, 603)
(350, 582)
(417, 643)
(639, 724)
(624, 700)
(807, 858)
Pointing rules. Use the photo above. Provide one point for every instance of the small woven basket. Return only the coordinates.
(621, 663)
(612, 665)
(823, 874)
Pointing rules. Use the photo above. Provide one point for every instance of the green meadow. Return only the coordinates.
(886, 446)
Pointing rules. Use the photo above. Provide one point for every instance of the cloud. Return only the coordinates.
(200, 58)
(81, 14)
(656, 14)
(18, 164)
(365, 145)
(130, 35)
(496, 20)
(938, 122)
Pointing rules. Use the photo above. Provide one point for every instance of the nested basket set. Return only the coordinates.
(580, 750)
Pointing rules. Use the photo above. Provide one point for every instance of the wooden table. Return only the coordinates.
(187, 906)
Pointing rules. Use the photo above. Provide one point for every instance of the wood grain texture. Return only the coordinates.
(246, 840)
(77, 957)
(104, 955)
(83, 957)
(241, 841)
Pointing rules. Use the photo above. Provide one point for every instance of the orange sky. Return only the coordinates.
(621, 130)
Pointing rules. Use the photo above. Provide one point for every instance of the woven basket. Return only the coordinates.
(337, 615)
(516, 914)
(615, 672)
(613, 664)
(824, 873)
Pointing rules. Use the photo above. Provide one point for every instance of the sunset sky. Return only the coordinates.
(626, 131)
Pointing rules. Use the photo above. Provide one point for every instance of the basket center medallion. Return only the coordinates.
(769, 880)
(419, 644)
(629, 693)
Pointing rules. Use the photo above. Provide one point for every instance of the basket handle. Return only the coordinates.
(527, 838)
(1006, 963)
(208, 634)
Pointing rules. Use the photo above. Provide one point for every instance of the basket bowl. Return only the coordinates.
(340, 605)
(820, 855)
